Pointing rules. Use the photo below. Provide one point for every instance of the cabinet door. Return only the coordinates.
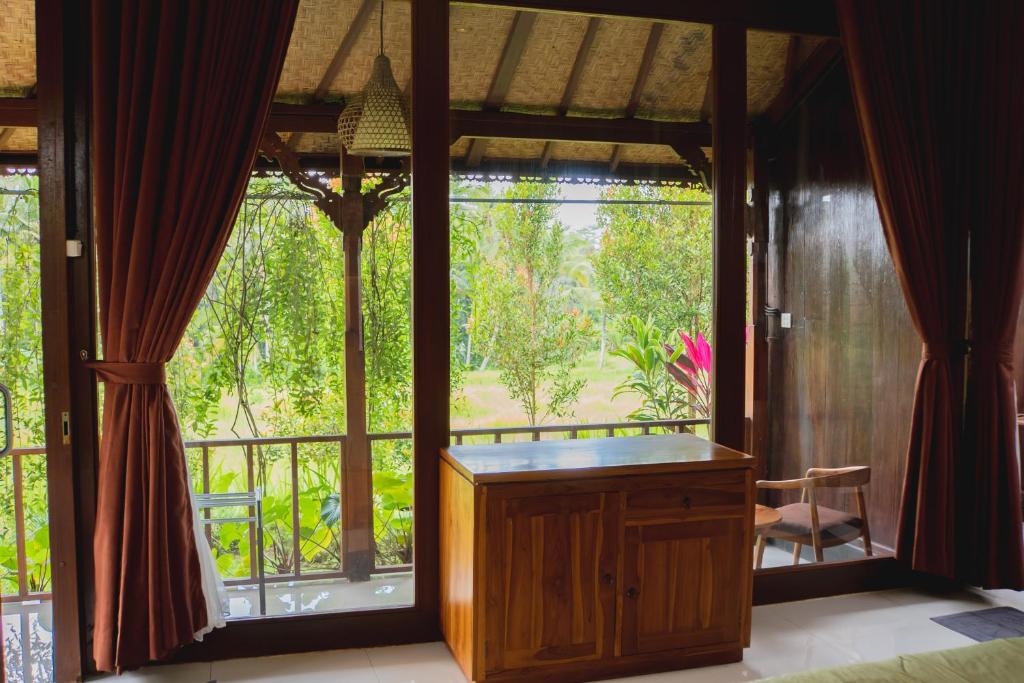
(683, 584)
(550, 579)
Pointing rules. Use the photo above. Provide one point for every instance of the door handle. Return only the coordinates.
(8, 422)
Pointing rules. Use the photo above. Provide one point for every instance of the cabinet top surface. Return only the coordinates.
(589, 458)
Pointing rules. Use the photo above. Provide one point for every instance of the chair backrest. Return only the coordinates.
(839, 477)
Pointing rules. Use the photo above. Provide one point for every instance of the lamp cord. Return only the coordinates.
(382, 26)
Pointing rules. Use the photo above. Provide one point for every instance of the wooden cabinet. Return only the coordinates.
(681, 583)
(549, 571)
(583, 560)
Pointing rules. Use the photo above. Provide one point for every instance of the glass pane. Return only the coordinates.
(294, 378)
(24, 510)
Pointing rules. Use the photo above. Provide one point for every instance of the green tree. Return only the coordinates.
(21, 369)
(535, 335)
(654, 260)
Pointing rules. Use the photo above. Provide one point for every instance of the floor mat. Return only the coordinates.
(986, 624)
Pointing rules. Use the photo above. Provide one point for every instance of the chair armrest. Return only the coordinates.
(785, 484)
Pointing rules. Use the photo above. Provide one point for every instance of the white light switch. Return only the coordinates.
(786, 320)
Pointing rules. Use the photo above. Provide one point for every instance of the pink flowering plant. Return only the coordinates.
(672, 381)
(692, 370)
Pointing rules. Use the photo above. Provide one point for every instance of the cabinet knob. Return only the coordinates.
(608, 578)
(686, 502)
(632, 593)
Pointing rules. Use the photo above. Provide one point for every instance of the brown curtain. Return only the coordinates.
(915, 68)
(181, 91)
(993, 552)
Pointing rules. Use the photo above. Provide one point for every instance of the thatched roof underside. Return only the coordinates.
(674, 82)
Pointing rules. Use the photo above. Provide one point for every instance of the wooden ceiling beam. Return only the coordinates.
(485, 124)
(341, 55)
(515, 44)
(304, 118)
(573, 84)
(801, 79)
(803, 17)
(18, 112)
(644, 72)
(640, 82)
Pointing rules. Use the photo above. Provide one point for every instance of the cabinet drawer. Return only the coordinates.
(712, 492)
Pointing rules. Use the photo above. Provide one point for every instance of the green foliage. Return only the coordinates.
(264, 352)
(644, 347)
(535, 335)
(21, 369)
(655, 260)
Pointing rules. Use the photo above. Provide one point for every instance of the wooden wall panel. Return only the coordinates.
(843, 379)
(1018, 359)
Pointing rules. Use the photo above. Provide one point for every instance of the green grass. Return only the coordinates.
(484, 402)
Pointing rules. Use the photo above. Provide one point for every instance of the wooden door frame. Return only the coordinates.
(430, 379)
(68, 322)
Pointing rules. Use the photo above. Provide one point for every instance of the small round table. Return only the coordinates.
(764, 517)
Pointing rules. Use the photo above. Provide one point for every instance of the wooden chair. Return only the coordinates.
(807, 523)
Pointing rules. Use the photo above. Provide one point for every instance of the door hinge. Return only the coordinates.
(65, 428)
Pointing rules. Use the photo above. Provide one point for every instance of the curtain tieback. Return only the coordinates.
(942, 352)
(991, 354)
(113, 372)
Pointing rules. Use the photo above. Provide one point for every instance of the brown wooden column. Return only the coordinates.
(728, 144)
(68, 324)
(356, 469)
(430, 285)
(761, 427)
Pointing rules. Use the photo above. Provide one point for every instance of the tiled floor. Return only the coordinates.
(789, 637)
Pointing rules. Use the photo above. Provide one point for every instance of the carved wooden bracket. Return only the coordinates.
(376, 200)
(324, 198)
(327, 200)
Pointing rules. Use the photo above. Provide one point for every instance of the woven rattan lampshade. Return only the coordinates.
(349, 119)
(382, 129)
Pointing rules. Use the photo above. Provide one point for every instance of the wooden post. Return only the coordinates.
(758, 301)
(728, 144)
(68, 307)
(357, 471)
(430, 287)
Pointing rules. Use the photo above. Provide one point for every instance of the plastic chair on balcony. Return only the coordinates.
(807, 523)
(253, 500)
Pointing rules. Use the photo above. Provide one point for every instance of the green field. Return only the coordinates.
(483, 401)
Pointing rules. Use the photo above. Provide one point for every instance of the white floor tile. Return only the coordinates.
(786, 638)
(341, 666)
(420, 663)
(175, 673)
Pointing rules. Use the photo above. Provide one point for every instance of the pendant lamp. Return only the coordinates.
(375, 122)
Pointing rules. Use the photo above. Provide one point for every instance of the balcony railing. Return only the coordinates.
(335, 447)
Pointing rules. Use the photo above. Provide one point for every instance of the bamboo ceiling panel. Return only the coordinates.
(582, 151)
(320, 27)
(320, 143)
(17, 48)
(477, 39)
(20, 140)
(610, 72)
(547, 62)
(648, 154)
(679, 74)
(501, 148)
(766, 69)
